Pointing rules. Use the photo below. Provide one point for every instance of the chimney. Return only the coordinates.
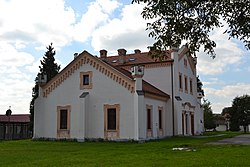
(122, 55)
(137, 51)
(137, 73)
(103, 54)
(174, 52)
(75, 55)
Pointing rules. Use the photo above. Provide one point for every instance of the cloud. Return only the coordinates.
(222, 97)
(229, 90)
(213, 81)
(97, 14)
(16, 83)
(126, 32)
(40, 22)
(227, 53)
(11, 57)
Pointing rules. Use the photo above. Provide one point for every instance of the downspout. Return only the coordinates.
(172, 86)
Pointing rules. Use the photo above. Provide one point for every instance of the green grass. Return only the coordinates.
(153, 153)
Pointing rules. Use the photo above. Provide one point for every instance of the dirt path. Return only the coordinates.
(241, 139)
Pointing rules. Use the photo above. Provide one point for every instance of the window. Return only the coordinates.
(180, 81)
(86, 80)
(191, 86)
(185, 62)
(63, 119)
(160, 118)
(186, 84)
(111, 119)
(149, 119)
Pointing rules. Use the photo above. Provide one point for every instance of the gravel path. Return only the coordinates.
(241, 139)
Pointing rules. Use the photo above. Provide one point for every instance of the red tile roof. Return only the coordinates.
(17, 118)
(139, 58)
(146, 87)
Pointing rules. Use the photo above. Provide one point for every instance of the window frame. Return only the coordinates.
(149, 110)
(82, 83)
(62, 131)
(160, 118)
(117, 109)
(191, 85)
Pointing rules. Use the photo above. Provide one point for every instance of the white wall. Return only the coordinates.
(167, 117)
(161, 78)
(104, 91)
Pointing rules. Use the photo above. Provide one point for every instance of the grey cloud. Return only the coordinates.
(18, 35)
(128, 40)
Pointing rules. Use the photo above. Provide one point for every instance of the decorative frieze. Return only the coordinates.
(84, 58)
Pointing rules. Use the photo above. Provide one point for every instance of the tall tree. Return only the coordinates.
(48, 67)
(240, 112)
(172, 21)
(199, 86)
(209, 119)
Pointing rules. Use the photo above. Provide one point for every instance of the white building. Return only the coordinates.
(128, 96)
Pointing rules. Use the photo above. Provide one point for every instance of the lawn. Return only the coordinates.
(152, 153)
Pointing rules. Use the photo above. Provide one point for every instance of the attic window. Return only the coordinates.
(114, 61)
(131, 59)
(86, 80)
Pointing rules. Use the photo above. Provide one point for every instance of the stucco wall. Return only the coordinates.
(104, 91)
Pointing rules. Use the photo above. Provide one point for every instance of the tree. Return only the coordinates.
(48, 67)
(209, 119)
(240, 112)
(172, 21)
(199, 86)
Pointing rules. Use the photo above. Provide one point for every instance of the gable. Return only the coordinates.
(86, 58)
(184, 54)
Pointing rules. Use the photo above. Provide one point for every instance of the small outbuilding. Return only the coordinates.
(14, 126)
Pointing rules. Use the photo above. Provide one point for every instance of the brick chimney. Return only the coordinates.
(122, 55)
(137, 51)
(103, 54)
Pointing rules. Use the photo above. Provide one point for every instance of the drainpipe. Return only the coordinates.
(172, 86)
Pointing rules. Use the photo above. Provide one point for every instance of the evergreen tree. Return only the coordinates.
(199, 86)
(48, 67)
(209, 119)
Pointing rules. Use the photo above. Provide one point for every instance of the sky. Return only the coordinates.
(27, 27)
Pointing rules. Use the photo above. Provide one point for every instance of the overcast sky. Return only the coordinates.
(28, 26)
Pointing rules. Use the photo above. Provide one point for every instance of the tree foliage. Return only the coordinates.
(172, 21)
(199, 86)
(209, 119)
(240, 112)
(48, 67)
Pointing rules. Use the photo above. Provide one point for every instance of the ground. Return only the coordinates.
(196, 152)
